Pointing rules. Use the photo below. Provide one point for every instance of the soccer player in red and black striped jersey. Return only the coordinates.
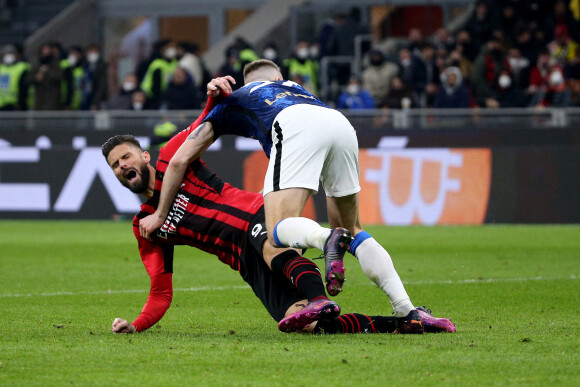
(218, 218)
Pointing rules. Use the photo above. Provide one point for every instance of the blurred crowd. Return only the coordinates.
(510, 53)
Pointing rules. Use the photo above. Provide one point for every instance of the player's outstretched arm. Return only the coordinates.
(197, 142)
(123, 326)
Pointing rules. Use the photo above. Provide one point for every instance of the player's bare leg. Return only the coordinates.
(374, 259)
(286, 228)
(278, 205)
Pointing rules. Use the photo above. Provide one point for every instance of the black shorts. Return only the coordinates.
(274, 290)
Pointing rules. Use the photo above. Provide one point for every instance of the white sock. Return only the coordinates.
(300, 233)
(378, 266)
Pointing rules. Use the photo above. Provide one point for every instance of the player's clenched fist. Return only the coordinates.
(220, 84)
(123, 326)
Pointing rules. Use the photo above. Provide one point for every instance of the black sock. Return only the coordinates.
(357, 323)
(302, 272)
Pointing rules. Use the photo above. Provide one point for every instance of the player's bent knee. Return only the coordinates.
(272, 241)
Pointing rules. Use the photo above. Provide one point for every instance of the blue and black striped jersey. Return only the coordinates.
(251, 110)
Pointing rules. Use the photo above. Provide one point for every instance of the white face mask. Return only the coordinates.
(406, 62)
(128, 86)
(269, 54)
(302, 53)
(314, 52)
(93, 57)
(504, 81)
(72, 60)
(137, 106)
(171, 52)
(556, 78)
(352, 89)
(518, 63)
(9, 59)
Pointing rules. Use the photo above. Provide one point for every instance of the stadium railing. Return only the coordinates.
(372, 119)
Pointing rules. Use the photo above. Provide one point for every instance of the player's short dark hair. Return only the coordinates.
(117, 140)
(257, 64)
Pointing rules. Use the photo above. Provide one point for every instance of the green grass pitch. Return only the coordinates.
(513, 291)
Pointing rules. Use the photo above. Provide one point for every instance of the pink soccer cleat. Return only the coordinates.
(434, 324)
(312, 312)
(334, 248)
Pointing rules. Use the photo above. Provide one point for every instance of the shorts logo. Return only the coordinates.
(424, 186)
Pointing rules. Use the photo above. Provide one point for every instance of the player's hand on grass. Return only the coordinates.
(220, 84)
(123, 326)
(149, 224)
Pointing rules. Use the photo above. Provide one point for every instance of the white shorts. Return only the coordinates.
(312, 143)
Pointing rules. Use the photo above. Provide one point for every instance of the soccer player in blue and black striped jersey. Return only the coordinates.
(306, 141)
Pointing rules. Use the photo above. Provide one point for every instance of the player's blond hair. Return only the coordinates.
(261, 69)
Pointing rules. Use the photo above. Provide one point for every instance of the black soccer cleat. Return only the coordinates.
(410, 324)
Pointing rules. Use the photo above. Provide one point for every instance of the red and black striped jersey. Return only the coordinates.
(207, 213)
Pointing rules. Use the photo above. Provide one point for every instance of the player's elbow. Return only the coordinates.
(178, 163)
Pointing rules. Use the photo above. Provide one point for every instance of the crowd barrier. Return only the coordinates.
(416, 167)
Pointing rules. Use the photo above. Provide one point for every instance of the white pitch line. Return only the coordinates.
(122, 291)
(491, 280)
(238, 287)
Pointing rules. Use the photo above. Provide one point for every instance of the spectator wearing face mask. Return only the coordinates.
(400, 95)
(354, 96)
(452, 94)
(520, 69)
(377, 76)
(46, 78)
(139, 101)
(159, 74)
(95, 89)
(314, 51)
(406, 65)
(270, 52)
(507, 94)
(301, 64)
(123, 99)
(539, 75)
(458, 59)
(13, 86)
(486, 70)
(557, 93)
(73, 72)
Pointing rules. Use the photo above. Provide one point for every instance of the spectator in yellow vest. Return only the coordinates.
(245, 51)
(13, 86)
(73, 72)
(303, 65)
(159, 74)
